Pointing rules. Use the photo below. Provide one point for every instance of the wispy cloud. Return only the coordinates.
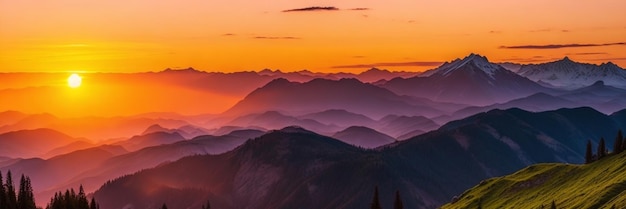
(312, 9)
(392, 64)
(228, 34)
(318, 8)
(558, 46)
(277, 37)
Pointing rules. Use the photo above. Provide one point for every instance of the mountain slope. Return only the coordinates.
(150, 139)
(32, 143)
(363, 137)
(600, 184)
(471, 80)
(320, 94)
(568, 74)
(295, 168)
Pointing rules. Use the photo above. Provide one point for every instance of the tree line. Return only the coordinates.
(397, 203)
(10, 198)
(23, 198)
(619, 145)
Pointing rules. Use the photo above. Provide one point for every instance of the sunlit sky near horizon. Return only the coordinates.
(237, 35)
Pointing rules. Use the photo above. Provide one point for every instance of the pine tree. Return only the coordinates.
(71, 200)
(589, 153)
(207, 206)
(553, 205)
(82, 198)
(164, 206)
(619, 141)
(3, 194)
(601, 148)
(25, 197)
(10, 192)
(375, 201)
(613, 207)
(397, 204)
(93, 204)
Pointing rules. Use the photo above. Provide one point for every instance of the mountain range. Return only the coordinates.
(294, 167)
(345, 133)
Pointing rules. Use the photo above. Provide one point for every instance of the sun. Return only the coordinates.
(74, 80)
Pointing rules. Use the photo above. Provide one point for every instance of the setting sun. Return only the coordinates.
(74, 80)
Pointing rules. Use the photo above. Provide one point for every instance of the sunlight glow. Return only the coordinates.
(74, 80)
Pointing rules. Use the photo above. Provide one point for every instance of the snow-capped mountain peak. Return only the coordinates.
(566, 73)
(481, 62)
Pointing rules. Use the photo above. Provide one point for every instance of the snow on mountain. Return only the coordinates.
(479, 61)
(568, 74)
(471, 80)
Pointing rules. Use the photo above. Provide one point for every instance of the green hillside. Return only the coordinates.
(600, 184)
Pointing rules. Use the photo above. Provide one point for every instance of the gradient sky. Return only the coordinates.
(236, 35)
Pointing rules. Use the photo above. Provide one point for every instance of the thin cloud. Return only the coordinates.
(359, 9)
(312, 9)
(608, 59)
(587, 53)
(228, 34)
(559, 46)
(391, 64)
(277, 37)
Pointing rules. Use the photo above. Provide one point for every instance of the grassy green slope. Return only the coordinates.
(597, 185)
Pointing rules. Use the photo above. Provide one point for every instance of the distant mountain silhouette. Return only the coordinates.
(62, 168)
(127, 163)
(78, 145)
(471, 80)
(397, 126)
(568, 74)
(150, 139)
(319, 95)
(340, 118)
(363, 137)
(605, 98)
(536, 102)
(275, 120)
(295, 168)
(10, 117)
(32, 143)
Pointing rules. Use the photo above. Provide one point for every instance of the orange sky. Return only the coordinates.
(146, 35)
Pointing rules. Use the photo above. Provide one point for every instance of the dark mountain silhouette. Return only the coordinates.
(295, 168)
(32, 143)
(363, 137)
(319, 95)
(471, 80)
(224, 130)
